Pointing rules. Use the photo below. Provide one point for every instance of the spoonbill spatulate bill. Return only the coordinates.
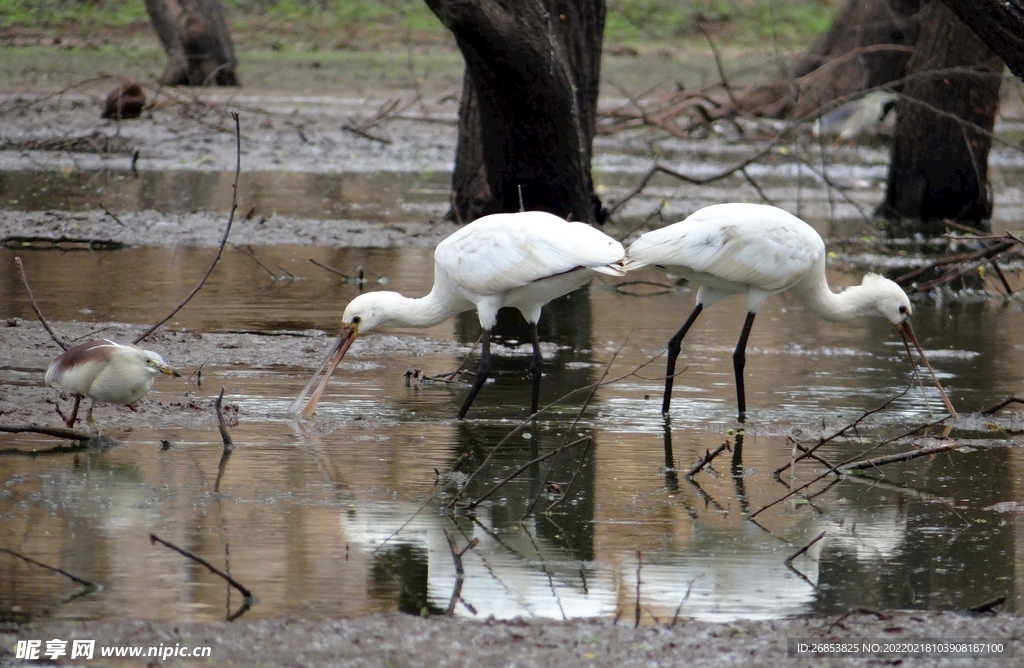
(106, 371)
(759, 251)
(522, 260)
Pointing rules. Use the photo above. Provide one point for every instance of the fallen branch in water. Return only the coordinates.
(153, 538)
(790, 558)
(838, 466)
(224, 435)
(460, 572)
(706, 459)
(900, 457)
(85, 583)
(1003, 404)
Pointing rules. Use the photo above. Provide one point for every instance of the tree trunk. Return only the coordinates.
(939, 165)
(999, 23)
(529, 105)
(197, 41)
(867, 45)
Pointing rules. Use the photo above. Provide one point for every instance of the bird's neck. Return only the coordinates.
(433, 309)
(853, 302)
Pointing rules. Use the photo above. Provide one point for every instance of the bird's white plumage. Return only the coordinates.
(498, 255)
(107, 371)
(521, 259)
(759, 251)
(731, 248)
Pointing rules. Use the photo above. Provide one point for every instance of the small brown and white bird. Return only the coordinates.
(106, 371)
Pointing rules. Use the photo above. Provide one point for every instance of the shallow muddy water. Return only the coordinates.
(344, 515)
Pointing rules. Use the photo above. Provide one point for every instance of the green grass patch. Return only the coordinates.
(323, 24)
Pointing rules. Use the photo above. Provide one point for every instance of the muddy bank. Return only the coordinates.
(402, 640)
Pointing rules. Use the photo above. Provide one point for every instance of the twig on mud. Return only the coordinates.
(85, 583)
(706, 459)
(460, 573)
(57, 432)
(1003, 404)
(987, 606)
(899, 457)
(153, 538)
(35, 307)
(224, 435)
(223, 241)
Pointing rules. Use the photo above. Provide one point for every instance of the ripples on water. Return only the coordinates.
(307, 518)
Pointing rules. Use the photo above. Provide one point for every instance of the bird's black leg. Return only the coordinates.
(482, 372)
(536, 368)
(739, 360)
(674, 346)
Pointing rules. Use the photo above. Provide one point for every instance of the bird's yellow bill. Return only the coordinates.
(330, 363)
(908, 335)
(168, 371)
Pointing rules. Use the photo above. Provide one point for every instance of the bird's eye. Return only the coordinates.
(904, 310)
(356, 319)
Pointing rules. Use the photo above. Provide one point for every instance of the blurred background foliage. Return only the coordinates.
(340, 24)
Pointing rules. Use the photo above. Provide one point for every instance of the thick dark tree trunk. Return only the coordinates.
(999, 23)
(867, 45)
(529, 105)
(197, 41)
(939, 164)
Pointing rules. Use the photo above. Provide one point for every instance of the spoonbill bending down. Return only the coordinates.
(521, 259)
(759, 250)
(114, 373)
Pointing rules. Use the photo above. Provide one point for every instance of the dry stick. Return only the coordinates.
(565, 493)
(153, 538)
(524, 467)
(852, 425)
(35, 307)
(987, 605)
(790, 558)
(252, 256)
(330, 269)
(85, 583)
(572, 427)
(58, 432)
(686, 597)
(546, 408)
(1003, 404)
(636, 610)
(460, 573)
(1001, 276)
(223, 241)
(224, 435)
(841, 464)
(718, 62)
(706, 459)
(900, 457)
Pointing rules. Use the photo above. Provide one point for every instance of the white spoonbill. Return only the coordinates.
(523, 260)
(107, 371)
(759, 250)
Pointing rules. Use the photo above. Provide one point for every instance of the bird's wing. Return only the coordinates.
(502, 252)
(76, 368)
(751, 245)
